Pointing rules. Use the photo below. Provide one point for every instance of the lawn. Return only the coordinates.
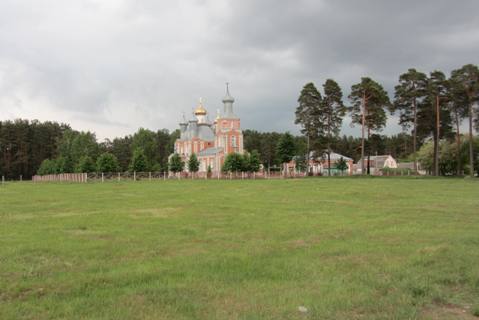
(336, 248)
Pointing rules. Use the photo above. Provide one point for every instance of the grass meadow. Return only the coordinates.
(322, 248)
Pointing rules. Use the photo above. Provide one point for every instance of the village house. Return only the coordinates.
(319, 165)
(376, 163)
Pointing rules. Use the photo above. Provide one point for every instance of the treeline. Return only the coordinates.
(266, 143)
(28, 147)
(25, 144)
(430, 107)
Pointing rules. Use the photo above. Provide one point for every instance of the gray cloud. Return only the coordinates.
(112, 66)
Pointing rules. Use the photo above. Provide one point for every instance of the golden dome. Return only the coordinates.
(200, 111)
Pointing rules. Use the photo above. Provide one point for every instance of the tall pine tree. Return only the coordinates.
(468, 77)
(332, 111)
(411, 89)
(307, 114)
(369, 101)
(433, 116)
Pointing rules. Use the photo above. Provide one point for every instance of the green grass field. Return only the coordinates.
(343, 248)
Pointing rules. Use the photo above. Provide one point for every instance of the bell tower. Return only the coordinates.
(228, 131)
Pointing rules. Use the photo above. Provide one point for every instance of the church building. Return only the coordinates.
(210, 141)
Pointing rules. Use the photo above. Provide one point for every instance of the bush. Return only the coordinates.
(107, 162)
(396, 171)
(47, 167)
(234, 162)
(85, 164)
(176, 164)
(138, 161)
(193, 163)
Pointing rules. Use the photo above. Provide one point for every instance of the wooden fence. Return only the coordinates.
(62, 177)
(155, 176)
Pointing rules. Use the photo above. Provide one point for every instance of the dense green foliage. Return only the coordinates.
(344, 248)
(85, 164)
(234, 162)
(341, 165)
(308, 113)
(193, 163)
(467, 79)
(449, 156)
(25, 144)
(139, 161)
(399, 146)
(286, 148)
(107, 162)
(176, 164)
(48, 167)
(254, 161)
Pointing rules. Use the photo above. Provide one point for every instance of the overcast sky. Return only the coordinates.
(112, 66)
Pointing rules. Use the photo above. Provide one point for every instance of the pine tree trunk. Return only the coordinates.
(471, 152)
(329, 162)
(369, 152)
(436, 140)
(363, 120)
(458, 145)
(414, 137)
(329, 145)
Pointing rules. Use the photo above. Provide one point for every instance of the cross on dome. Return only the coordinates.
(200, 110)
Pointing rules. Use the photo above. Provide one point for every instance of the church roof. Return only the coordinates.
(205, 132)
(210, 151)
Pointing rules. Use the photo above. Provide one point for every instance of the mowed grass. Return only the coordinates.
(343, 248)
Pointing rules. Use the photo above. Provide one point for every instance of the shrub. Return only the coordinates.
(107, 162)
(193, 163)
(176, 164)
(138, 161)
(47, 167)
(85, 164)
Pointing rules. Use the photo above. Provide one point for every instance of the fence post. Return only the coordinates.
(3, 180)
(164, 176)
(102, 177)
(149, 176)
(119, 176)
(134, 175)
(20, 177)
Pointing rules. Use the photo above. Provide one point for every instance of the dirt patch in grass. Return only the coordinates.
(154, 212)
(447, 311)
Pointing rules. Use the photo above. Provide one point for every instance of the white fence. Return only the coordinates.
(155, 176)
(62, 177)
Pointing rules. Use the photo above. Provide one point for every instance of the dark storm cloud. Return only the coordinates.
(113, 66)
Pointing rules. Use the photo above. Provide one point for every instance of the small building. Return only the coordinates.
(376, 163)
(333, 161)
(319, 165)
